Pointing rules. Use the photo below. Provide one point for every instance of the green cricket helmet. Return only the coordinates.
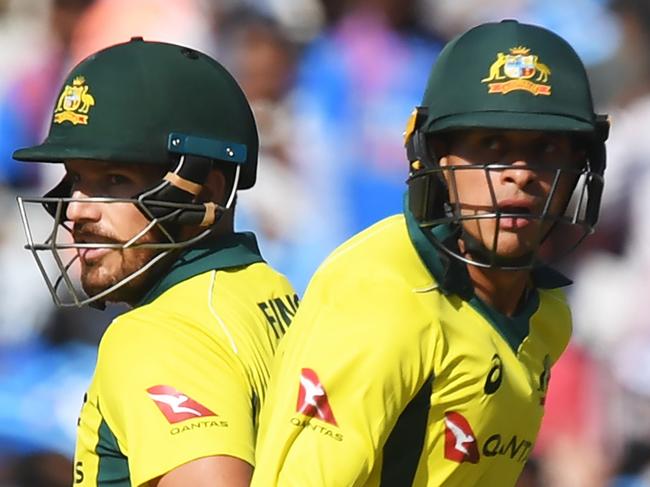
(147, 103)
(508, 76)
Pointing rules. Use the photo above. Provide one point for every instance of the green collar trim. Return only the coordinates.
(513, 329)
(234, 250)
(451, 274)
(452, 278)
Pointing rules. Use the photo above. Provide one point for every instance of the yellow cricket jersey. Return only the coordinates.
(394, 374)
(182, 376)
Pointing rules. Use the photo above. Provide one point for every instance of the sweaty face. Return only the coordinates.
(536, 176)
(110, 223)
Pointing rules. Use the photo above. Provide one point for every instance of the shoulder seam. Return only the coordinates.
(216, 316)
(344, 250)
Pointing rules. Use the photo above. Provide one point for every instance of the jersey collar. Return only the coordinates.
(234, 250)
(451, 274)
(452, 278)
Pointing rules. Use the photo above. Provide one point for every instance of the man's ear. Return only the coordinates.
(438, 147)
(214, 188)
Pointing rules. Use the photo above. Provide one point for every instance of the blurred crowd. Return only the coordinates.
(332, 83)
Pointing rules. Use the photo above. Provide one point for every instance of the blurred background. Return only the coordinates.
(332, 83)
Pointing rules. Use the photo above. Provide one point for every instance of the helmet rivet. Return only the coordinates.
(230, 152)
(176, 142)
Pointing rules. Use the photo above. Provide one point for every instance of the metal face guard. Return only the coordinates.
(577, 214)
(63, 252)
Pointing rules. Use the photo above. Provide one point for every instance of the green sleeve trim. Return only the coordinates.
(113, 468)
(405, 443)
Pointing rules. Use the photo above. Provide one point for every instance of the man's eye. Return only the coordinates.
(549, 148)
(117, 179)
(553, 145)
(492, 144)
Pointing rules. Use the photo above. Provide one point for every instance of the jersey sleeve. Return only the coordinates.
(347, 368)
(171, 394)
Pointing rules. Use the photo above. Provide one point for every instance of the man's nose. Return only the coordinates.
(519, 173)
(80, 209)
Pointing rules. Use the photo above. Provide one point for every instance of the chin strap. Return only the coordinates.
(174, 200)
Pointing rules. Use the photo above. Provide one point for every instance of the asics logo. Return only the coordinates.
(494, 376)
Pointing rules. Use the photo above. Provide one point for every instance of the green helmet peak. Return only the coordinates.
(146, 102)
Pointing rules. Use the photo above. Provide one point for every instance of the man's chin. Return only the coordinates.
(129, 292)
(124, 291)
(92, 290)
(510, 251)
(118, 279)
(515, 246)
(121, 294)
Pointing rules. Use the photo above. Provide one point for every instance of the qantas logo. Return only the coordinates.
(460, 440)
(312, 398)
(176, 406)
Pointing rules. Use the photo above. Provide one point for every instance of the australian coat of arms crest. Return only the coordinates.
(74, 103)
(518, 70)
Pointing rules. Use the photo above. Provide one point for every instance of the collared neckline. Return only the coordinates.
(233, 250)
(451, 274)
(452, 277)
